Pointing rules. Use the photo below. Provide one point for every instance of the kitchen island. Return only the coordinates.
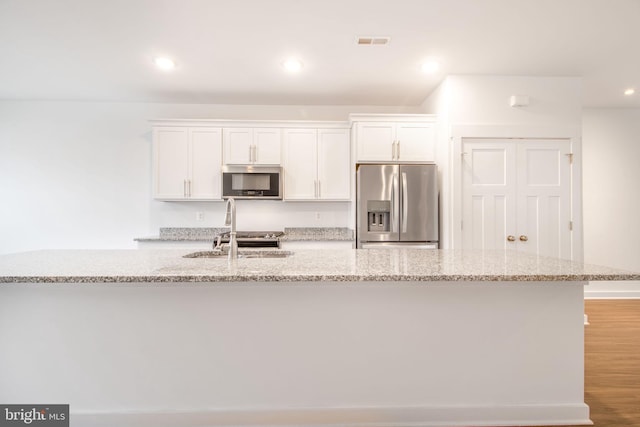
(343, 337)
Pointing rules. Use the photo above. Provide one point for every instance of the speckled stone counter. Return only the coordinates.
(306, 234)
(345, 338)
(177, 234)
(344, 265)
(207, 234)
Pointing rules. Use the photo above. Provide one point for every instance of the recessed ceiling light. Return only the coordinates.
(292, 65)
(430, 67)
(164, 63)
(629, 91)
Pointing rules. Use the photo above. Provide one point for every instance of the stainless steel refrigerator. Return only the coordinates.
(397, 205)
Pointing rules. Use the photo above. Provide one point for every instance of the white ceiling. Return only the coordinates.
(230, 51)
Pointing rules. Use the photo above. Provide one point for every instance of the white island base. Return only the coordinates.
(296, 353)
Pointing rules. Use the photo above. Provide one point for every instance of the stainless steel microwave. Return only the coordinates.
(252, 182)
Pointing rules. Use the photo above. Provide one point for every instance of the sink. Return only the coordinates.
(241, 254)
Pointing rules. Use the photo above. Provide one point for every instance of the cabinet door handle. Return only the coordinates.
(189, 181)
(523, 238)
(255, 153)
(319, 189)
(398, 150)
(184, 188)
(511, 238)
(393, 150)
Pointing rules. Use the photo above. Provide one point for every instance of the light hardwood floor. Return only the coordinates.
(612, 362)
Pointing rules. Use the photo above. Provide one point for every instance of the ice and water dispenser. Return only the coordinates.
(379, 215)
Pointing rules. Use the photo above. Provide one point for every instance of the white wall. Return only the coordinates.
(438, 103)
(77, 174)
(611, 150)
(485, 100)
(477, 106)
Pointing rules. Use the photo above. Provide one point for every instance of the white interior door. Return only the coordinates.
(489, 194)
(544, 198)
(516, 194)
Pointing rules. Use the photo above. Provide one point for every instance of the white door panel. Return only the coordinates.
(206, 161)
(544, 197)
(238, 144)
(171, 159)
(300, 164)
(267, 146)
(519, 188)
(415, 141)
(489, 195)
(375, 141)
(333, 164)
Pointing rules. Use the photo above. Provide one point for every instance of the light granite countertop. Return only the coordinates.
(291, 234)
(343, 265)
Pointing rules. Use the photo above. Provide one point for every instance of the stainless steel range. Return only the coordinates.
(254, 239)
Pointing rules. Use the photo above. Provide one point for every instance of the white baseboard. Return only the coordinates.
(598, 294)
(431, 416)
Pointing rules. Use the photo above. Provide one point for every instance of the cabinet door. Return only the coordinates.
(489, 194)
(300, 164)
(374, 141)
(334, 177)
(267, 143)
(416, 141)
(544, 198)
(237, 146)
(171, 162)
(206, 163)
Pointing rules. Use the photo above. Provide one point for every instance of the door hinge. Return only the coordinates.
(570, 225)
(570, 156)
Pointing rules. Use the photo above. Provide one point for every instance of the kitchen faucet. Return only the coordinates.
(230, 220)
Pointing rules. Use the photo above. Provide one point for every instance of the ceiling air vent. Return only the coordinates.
(372, 41)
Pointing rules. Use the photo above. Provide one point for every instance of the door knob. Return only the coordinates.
(523, 238)
(511, 238)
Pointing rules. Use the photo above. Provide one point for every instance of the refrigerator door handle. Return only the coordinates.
(405, 202)
(394, 203)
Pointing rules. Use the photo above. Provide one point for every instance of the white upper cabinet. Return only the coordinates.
(268, 146)
(300, 164)
(375, 141)
(187, 163)
(415, 142)
(334, 166)
(316, 164)
(399, 139)
(252, 146)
